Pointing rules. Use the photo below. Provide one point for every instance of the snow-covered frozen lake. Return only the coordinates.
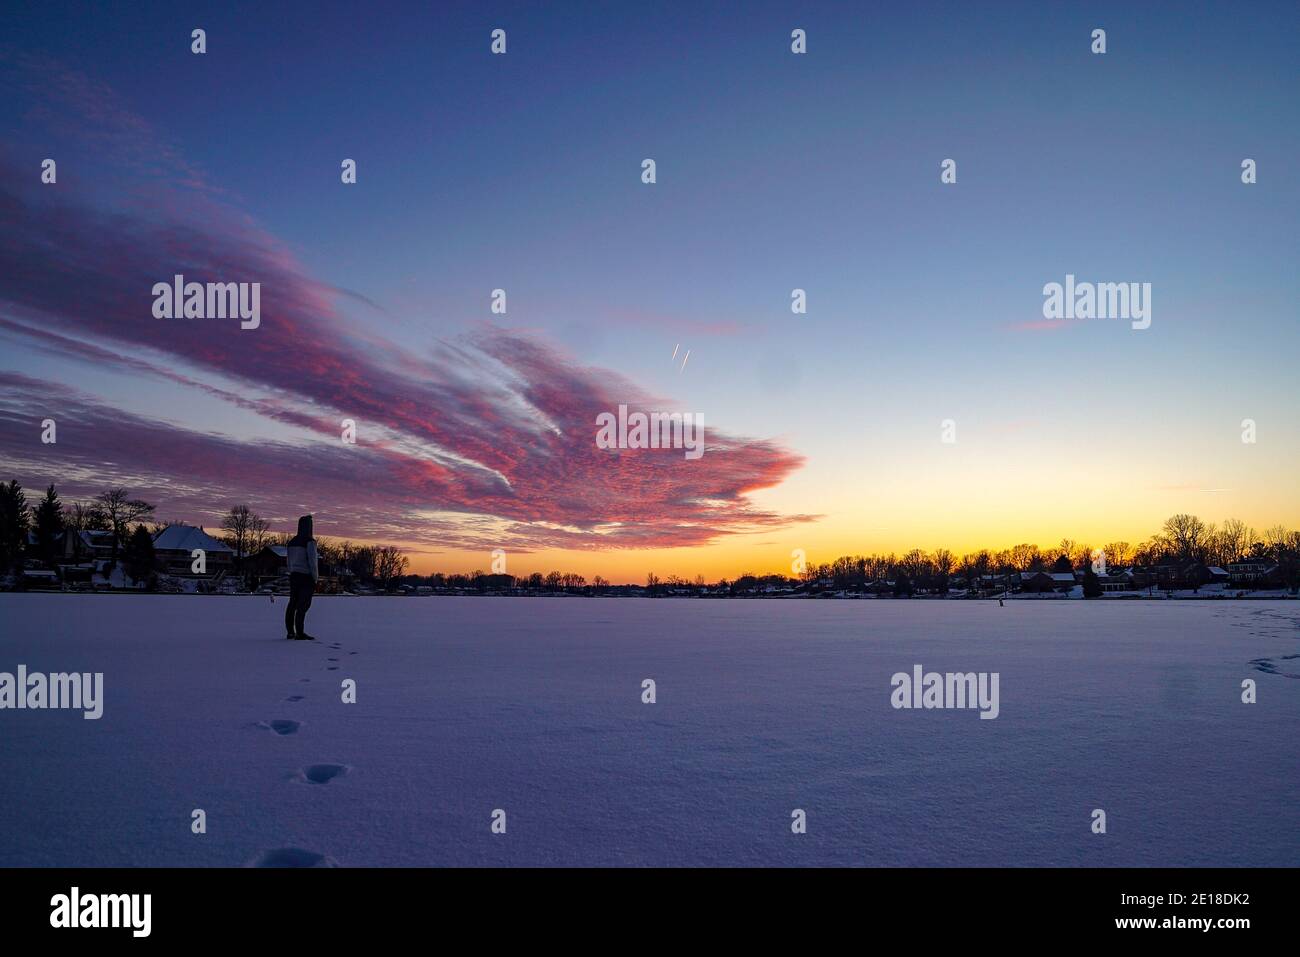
(533, 706)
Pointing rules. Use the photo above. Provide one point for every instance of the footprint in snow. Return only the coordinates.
(322, 773)
(1269, 667)
(280, 726)
(292, 857)
(294, 697)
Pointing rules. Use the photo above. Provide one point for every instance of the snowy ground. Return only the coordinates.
(466, 705)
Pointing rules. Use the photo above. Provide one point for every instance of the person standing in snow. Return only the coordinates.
(303, 573)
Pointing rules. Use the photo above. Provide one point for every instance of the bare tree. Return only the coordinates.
(1232, 541)
(246, 532)
(259, 530)
(1081, 557)
(121, 510)
(1024, 557)
(86, 517)
(390, 565)
(1187, 535)
(238, 526)
(1276, 538)
(1118, 554)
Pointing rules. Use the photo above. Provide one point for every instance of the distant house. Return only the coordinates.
(1179, 576)
(1196, 574)
(1247, 572)
(998, 582)
(87, 545)
(1260, 575)
(1061, 581)
(1038, 582)
(1116, 581)
(271, 562)
(175, 546)
(1159, 576)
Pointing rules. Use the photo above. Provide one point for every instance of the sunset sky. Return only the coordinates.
(775, 171)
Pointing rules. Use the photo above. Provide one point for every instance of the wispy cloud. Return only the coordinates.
(484, 440)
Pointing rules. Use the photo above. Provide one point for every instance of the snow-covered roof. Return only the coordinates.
(184, 538)
(1061, 576)
(1216, 570)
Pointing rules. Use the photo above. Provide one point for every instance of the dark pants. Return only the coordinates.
(301, 588)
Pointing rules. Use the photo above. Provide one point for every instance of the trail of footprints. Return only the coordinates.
(1271, 666)
(323, 774)
(313, 774)
(281, 726)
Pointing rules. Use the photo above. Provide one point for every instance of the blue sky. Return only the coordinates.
(775, 171)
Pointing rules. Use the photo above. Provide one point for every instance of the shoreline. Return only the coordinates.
(520, 595)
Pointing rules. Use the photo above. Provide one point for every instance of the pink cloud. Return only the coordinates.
(494, 433)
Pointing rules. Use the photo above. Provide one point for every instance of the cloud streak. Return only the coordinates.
(486, 441)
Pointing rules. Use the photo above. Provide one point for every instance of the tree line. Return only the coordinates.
(1182, 539)
(129, 523)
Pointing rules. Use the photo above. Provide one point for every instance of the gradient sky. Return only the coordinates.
(775, 171)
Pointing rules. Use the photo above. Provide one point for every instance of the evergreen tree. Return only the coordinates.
(139, 557)
(49, 525)
(15, 519)
(1091, 584)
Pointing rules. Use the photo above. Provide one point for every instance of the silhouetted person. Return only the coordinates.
(303, 573)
